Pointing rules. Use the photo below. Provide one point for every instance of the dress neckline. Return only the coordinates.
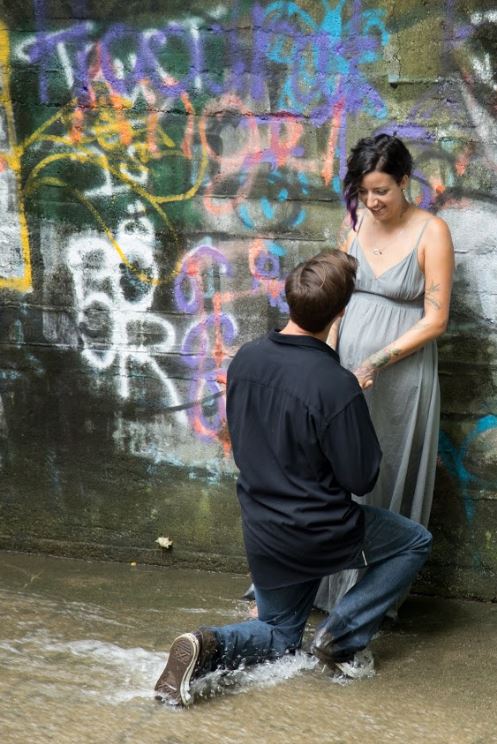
(390, 268)
(398, 263)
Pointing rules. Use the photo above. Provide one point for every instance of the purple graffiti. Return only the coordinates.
(267, 276)
(203, 347)
(44, 49)
(197, 345)
(147, 64)
(188, 285)
(323, 60)
(318, 64)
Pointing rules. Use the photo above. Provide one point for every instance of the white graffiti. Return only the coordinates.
(12, 258)
(484, 70)
(487, 16)
(113, 301)
(11, 253)
(4, 432)
(483, 123)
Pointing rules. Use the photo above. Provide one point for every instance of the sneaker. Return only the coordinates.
(359, 666)
(174, 682)
(189, 657)
(322, 647)
(249, 595)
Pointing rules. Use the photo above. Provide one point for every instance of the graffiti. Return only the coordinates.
(175, 58)
(15, 257)
(321, 66)
(115, 154)
(161, 172)
(325, 62)
(4, 432)
(461, 465)
(265, 268)
(209, 339)
(114, 316)
(184, 164)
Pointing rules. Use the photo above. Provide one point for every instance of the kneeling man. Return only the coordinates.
(303, 442)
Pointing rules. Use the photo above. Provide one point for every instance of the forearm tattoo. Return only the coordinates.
(429, 295)
(421, 325)
(383, 357)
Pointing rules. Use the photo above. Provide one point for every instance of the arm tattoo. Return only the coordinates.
(421, 325)
(381, 358)
(429, 296)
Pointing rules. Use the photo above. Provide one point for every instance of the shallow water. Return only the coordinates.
(82, 644)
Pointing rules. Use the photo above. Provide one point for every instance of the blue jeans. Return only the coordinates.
(393, 551)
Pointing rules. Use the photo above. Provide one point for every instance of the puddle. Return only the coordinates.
(82, 644)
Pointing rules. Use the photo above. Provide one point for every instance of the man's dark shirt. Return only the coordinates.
(303, 441)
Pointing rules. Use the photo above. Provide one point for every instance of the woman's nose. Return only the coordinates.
(371, 200)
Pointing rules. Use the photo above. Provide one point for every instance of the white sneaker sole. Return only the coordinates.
(184, 645)
(174, 682)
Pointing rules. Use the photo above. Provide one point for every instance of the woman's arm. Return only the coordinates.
(438, 268)
(332, 339)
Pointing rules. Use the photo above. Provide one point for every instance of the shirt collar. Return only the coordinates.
(310, 341)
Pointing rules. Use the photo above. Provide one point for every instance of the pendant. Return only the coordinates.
(377, 252)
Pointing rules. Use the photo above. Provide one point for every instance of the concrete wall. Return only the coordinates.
(162, 167)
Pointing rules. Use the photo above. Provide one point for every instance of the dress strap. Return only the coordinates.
(360, 224)
(421, 233)
(356, 233)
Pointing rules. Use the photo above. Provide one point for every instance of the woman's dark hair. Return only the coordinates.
(383, 153)
(317, 290)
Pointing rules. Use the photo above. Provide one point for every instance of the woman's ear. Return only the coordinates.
(404, 182)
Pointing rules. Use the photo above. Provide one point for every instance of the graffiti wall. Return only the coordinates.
(162, 167)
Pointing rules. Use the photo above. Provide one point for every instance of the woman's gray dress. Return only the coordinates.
(404, 401)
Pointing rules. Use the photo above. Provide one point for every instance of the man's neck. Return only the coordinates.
(292, 329)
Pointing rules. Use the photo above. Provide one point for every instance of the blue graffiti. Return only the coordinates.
(453, 458)
(324, 60)
(267, 275)
(294, 213)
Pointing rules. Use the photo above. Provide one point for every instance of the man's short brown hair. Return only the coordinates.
(318, 289)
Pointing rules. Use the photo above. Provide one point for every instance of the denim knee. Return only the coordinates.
(424, 539)
(286, 639)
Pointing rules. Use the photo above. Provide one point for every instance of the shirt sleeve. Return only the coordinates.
(350, 444)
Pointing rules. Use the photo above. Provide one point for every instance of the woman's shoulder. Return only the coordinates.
(432, 225)
(427, 219)
(434, 239)
(350, 231)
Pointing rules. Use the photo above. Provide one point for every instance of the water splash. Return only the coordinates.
(243, 679)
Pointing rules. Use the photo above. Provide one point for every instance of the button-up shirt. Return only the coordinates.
(303, 441)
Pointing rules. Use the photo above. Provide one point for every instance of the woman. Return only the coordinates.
(387, 336)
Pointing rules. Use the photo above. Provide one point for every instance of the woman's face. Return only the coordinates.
(382, 195)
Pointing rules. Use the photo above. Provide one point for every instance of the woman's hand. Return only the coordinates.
(366, 375)
(367, 371)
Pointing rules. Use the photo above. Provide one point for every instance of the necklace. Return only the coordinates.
(379, 251)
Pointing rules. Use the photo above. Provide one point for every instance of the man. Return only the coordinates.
(303, 442)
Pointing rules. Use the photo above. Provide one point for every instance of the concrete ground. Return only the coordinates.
(81, 645)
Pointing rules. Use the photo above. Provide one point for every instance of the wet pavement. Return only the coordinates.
(82, 644)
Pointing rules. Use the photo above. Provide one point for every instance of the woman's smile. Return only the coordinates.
(381, 195)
